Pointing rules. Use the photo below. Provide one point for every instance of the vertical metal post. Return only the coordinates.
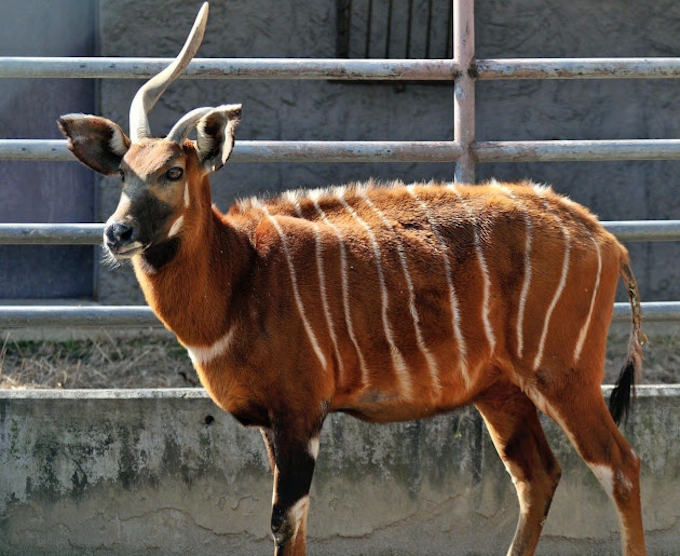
(464, 90)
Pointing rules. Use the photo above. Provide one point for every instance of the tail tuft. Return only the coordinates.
(619, 401)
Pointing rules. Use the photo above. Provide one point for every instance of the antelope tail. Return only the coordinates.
(619, 401)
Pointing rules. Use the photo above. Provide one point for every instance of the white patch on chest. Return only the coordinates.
(202, 355)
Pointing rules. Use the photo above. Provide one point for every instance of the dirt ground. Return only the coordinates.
(155, 360)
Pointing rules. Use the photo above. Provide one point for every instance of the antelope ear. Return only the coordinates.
(95, 141)
(215, 135)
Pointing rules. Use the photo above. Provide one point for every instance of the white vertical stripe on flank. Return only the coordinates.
(579, 217)
(453, 301)
(586, 325)
(345, 290)
(296, 292)
(488, 329)
(527, 267)
(431, 361)
(563, 277)
(397, 358)
(324, 297)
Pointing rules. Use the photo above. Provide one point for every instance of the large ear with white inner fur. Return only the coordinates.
(215, 135)
(95, 141)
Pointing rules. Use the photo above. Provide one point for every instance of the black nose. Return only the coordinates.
(117, 235)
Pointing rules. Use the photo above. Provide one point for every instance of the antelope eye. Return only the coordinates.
(175, 173)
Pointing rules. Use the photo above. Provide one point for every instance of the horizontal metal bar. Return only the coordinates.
(341, 69)
(652, 311)
(272, 151)
(231, 68)
(346, 151)
(91, 234)
(34, 149)
(577, 150)
(398, 151)
(51, 234)
(142, 316)
(644, 230)
(576, 68)
(69, 316)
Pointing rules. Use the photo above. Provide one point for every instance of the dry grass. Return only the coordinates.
(145, 361)
(153, 361)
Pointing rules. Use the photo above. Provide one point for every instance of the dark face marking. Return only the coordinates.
(156, 257)
(153, 198)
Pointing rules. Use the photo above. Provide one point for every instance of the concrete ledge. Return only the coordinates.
(154, 472)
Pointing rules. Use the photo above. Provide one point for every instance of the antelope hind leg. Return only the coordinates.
(514, 426)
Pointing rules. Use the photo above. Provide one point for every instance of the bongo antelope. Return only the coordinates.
(388, 302)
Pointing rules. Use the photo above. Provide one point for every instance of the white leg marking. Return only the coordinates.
(324, 296)
(205, 354)
(176, 225)
(488, 329)
(345, 292)
(586, 325)
(400, 367)
(314, 445)
(296, 291)
(560, 286)
(527, 267)
(431, 361)
(605, 475)
(297, 514)
(453, 301)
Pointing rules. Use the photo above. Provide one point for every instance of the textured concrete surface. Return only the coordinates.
(306, 110)
(165, 472)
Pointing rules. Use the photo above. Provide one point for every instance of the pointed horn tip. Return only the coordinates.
(202, 16)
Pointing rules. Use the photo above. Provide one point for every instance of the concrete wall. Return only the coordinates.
(165, 472)
(521, 110)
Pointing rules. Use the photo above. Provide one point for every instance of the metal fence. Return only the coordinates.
(463, 70)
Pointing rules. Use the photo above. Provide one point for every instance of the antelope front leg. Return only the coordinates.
(294, 456)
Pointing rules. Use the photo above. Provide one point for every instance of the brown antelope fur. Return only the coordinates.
(387, 302)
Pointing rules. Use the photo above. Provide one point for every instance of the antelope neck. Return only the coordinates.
(191, 290)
